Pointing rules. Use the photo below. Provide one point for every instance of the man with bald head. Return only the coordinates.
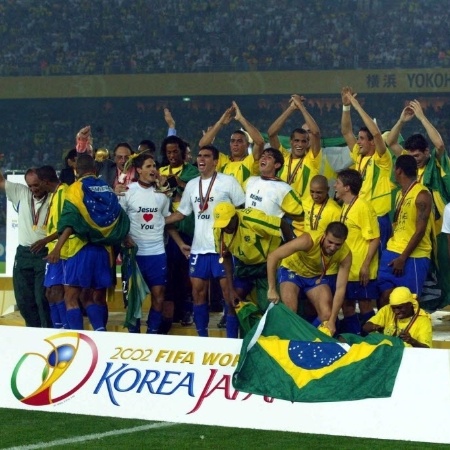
(318, 207)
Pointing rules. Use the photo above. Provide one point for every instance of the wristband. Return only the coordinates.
(345, 107)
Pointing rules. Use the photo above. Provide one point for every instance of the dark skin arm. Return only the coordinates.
(423, 205)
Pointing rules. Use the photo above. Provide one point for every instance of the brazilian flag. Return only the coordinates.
(93, 211)
(137, 289)
(287, 358)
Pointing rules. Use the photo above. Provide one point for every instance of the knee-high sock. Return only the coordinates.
(96, 317)
(61, 305)
(232, 326)
(201, 319)
(153, 321)
(54, 314)
(74, 319)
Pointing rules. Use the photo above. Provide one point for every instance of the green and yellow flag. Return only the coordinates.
(285, 357)
(92, 210)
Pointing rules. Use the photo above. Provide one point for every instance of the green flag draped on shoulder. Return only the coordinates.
(92, 210)
(285, 357)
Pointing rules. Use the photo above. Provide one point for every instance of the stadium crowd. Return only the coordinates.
(36, 129)
(110, 37)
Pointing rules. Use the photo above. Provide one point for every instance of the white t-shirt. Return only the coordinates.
(225, 189)
(27, 206)
(446, 219)
(146, 210)
(266, 195)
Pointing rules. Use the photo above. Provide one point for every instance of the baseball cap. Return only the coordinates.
(223, 213)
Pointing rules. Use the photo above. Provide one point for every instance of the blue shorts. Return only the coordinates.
(414, 273)
(385, 230)
(206, 266)
(305, 284)
(54, 273)
(246, 284)
(153, 269)
(356, 291)
(89, 268)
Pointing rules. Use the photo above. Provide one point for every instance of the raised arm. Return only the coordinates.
(380, 146)
(392, 138)
(275, 128)
(433, 134)
(346, 120)
(211, 133)
(258, 140)
(314, 131)
(170, 122)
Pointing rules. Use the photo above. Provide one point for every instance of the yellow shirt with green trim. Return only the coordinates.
(241, 170)
(405, 225)
(362, 223)
(376, 171)
(307, 168)
(55, 209)
(256, 236)
(421, 329)
(318, 218)
(309, 264)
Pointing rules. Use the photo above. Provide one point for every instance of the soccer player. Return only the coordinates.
(248, 235)
(54, 273)
(371, 160)
(433, 171)
(318, 207)
(240, 164)
(302, 162)
(176, 174)
(308, 263)
(94, 221)
(363, 238)
(403, 318)
(147, 209)
(406, 259)
(200, 196)
(270, 194)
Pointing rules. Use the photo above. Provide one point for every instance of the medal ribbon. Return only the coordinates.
(323, 263)
(204, 200)
(343, 217)
(363, 172)
(290, 178)
(35, 214)
(314, 224)
(400, 202)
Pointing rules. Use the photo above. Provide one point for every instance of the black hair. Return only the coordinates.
(408, 165)
(416, 142)
(47, 173)
(352, 178)
(337, 229)
(214, 150)
(277, 155)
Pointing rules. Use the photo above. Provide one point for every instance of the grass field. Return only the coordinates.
(33, 430)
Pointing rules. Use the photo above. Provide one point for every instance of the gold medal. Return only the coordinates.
(318, 281)
(221, 260)
(34, 227)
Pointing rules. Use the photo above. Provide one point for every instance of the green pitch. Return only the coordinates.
(33, 430)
